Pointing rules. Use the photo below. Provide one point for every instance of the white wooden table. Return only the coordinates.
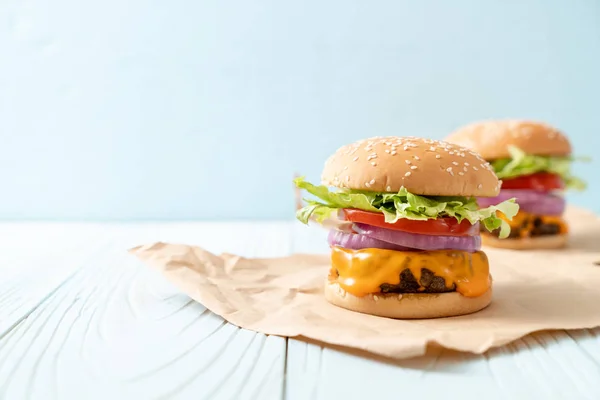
(82, 319)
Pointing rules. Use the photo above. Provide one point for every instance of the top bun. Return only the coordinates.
(492, 139)
(423, 166)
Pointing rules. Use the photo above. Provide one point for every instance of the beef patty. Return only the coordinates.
(429, 283)
(532, 226)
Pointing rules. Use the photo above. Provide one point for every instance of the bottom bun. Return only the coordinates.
(408, 305)
(544, 242)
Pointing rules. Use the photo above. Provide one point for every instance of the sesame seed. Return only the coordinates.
(407, 161)
(465, 168)
(375, 298)
(479, 186)
(405, 148)
(467, 164)
(413, 167)
(407, 174)
(345, 168)
(438, 156)
(373, 163)
(475, 168)
(355, 158)
(416, 158)
(347, 178)
(399, 297)
(389, 188)
(449, 169)
(367, 184)
(372, 181)
(461, 173)
(454, 162)
(387, 151)
(450, 152)
(394, 153)
(432, 148)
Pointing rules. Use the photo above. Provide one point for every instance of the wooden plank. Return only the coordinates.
(543, 365)
(117, 329)
(36, 258)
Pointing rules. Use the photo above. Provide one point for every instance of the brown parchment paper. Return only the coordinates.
(533, 290)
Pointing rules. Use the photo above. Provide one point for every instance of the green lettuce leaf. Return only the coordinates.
(318, 211)
(404, 204)
(522, 163)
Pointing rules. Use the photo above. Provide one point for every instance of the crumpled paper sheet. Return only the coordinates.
(533, 291)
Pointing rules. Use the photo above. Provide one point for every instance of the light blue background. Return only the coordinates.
(127, 110)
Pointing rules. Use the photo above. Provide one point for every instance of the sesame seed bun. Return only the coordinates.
(528, 243)
(423, 166)
(492, 139)
(408, 306)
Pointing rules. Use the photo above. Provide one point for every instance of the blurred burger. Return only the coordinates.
(533, 160)
(407, 241)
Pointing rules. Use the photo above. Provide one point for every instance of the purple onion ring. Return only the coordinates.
(420, 241)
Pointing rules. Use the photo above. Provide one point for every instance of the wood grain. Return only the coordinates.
(549, 365)
(115, 329)
(35, 259)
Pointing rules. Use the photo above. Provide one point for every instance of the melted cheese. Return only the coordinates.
(525, 221)
(361, 272)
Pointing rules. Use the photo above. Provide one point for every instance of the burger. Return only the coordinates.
(533, 160)
(406, 242)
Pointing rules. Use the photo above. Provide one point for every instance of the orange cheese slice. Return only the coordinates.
(362, 272)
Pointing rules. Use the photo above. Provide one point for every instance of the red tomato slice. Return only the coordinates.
(441, 226)
(540, 181)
